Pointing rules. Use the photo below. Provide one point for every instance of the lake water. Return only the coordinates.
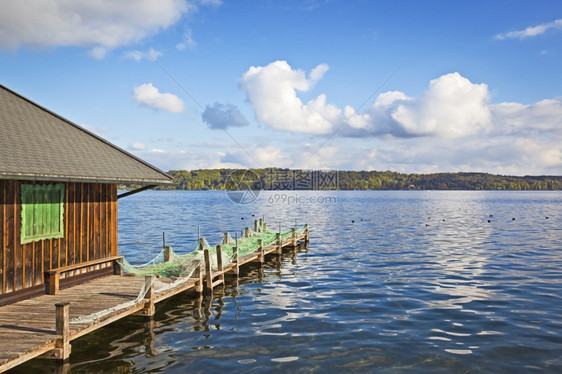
(392, 282)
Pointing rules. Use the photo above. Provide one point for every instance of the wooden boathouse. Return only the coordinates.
(59, 278)
(58, 199)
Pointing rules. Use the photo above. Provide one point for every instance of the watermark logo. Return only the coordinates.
(301, 180)
(243, 186)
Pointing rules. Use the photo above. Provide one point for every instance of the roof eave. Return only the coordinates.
(80, 179)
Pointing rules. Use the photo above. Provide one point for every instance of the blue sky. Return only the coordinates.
(408, 86)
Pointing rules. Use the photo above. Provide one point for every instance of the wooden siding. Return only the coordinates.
(90, 233)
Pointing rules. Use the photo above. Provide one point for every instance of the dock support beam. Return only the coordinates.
(208, 273)
(220, 268)
(199, 283)
(62, 349)
(279, 243)
(261, 253)
(149, 308)
(236, 268)
(62, 344)
(167, 253)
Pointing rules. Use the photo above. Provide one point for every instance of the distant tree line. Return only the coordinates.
(294, 179)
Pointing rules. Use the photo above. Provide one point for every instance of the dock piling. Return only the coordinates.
(167, 253)
(220, 268)
(199, 283)
(278, 243)
(235, 269)
(208, 273)
(261, 254)
(149, 308)
(62, 344)
(62, 348)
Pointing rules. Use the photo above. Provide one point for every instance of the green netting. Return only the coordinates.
(184, 265)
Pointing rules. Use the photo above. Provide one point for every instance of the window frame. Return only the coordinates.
(42, 212)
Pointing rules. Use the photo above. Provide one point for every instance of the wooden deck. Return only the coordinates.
(37, 328)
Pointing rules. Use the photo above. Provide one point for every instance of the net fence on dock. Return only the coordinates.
(178, 268)
(184, 265)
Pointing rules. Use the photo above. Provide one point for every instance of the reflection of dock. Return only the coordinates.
(44, 326)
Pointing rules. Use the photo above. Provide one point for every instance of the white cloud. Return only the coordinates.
(138, 146)
(256, 156)
(451, 107)
(137, 55)
(187, 42)
(538, 119)
(531, 31)
(272, 91)
(101, 25)
(452, 126)
(98, 52)
(148, 95)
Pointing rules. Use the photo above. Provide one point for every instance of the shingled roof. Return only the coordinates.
(37, 144)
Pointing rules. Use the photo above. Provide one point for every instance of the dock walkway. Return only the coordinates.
(44, 326)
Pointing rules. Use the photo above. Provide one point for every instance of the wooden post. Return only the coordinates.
(264, 227)
(255, 225)
(117, 269)
(201, 244)
(220, 268)
(149, 308)
(53, 284)
(208, 273)
(225, 240)
(261, 253)
(199, 283)
(294, 231)
(306, 233)
(261, 225)
(279, 244)
(247, 232)
(62, 342)
(167, 253)
(235, 249)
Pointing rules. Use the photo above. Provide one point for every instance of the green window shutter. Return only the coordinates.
(42, 212)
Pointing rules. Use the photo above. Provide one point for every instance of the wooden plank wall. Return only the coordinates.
(90, 224)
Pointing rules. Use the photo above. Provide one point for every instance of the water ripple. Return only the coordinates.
(391, 282)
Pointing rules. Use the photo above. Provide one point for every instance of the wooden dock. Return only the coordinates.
(44, 326)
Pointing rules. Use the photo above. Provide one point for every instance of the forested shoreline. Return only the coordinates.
(294, 179)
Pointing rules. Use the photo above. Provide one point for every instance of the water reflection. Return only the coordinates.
(392, 282)
(457, 235)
